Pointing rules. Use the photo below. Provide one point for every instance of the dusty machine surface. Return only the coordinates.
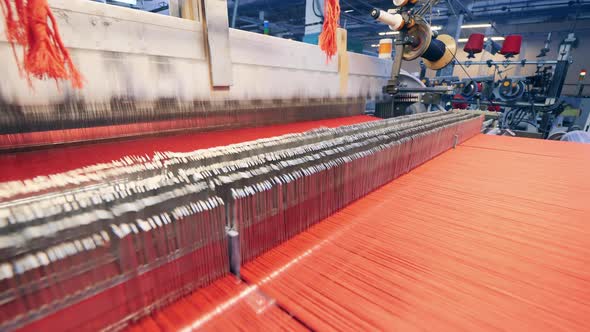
(174, 78)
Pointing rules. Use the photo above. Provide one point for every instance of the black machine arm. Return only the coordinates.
(416, 39)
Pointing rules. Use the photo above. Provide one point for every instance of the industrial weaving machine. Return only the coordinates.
(164, 193)
(154, 230)
(107, 241)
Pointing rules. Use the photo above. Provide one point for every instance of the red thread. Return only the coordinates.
(511, 46)
(459, 105)
(443, 248)
(21, 166)
(327, 39)
(474, 44)
(44, 54)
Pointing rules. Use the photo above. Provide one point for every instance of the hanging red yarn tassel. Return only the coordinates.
(45, 55)
(327, 39)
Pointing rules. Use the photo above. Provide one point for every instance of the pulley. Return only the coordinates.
(510, 90)
(437, 51)
(470, 89)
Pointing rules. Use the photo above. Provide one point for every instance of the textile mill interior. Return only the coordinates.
(305, 165)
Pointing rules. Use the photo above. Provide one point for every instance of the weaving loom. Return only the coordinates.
(154, 230)
(127, 211)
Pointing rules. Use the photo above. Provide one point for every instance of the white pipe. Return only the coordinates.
(395, 21)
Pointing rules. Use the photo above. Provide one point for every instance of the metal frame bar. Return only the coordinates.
(507, 63)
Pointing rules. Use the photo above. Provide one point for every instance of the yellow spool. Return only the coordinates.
(385, 48)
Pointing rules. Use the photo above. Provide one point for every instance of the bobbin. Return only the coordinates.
(437, 52)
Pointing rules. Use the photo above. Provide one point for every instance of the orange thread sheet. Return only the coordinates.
(24, 165)
(225, 305)
(492, 235)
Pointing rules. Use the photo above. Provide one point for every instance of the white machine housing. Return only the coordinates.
(126, 52)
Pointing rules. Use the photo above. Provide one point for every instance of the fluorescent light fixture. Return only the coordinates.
(475, 26)
(375, 45)
(130, 2)
(349, 11)
(463, 40)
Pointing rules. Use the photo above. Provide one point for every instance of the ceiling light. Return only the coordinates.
(475, 26)
(375, 45)
(349, 11)
(463, 40)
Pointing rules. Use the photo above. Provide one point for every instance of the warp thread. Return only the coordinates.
(178, 240)
(453, 256)
(44, 54)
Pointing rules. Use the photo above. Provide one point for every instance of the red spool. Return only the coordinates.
(511, 46)
(474, 44)
(494, 108)
(458, 105)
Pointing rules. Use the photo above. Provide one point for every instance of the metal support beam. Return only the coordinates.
(392, 84)
(174, 8)
(190, 9)
(561, 69)
(235, 255)
(508, 63)
(216, 31)
(235, 13)
(465, 8)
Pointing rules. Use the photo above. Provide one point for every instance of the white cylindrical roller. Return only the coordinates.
(395, 21)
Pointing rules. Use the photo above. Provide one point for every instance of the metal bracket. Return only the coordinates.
(235, 255)
(216, 30)
(430, 98)
(391, 87)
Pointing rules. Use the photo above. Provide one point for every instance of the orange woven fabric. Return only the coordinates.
(327, 39)
(225, 305)
(493, 235)
(31, 24)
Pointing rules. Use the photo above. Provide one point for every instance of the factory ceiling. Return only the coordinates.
(287, 18)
